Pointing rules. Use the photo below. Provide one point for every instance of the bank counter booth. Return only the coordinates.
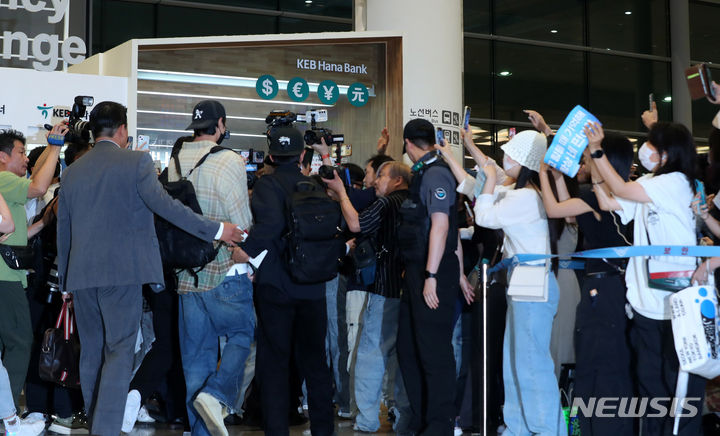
(355, 77)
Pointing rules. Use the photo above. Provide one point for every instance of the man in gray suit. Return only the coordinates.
(107, 249)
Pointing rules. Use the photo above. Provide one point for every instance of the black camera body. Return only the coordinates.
(314, 135)
(78, 129)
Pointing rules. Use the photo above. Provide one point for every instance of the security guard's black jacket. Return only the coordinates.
(268, 207)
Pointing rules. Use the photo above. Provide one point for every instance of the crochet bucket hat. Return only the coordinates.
(527, 148)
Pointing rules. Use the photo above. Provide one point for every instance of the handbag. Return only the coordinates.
(60, 350)
(365, 261)
(695, 316)
(529, 283)
(20, 257)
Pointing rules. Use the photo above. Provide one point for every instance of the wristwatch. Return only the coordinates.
(597, 154)
(429, 275)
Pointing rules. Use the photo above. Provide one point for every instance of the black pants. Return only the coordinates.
(284, 324)
(424, 348)
(657, 368)
(602, 353)
(42, 396)
(152, 374)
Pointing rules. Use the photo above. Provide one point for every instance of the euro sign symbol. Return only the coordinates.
(267, 87)
(328, 92)
(296, 89)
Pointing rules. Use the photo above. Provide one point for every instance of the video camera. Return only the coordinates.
(312, 135)
(78, 129)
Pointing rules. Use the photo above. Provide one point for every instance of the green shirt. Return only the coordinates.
(14, 190)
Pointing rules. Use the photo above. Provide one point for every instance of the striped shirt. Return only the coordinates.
(381, 220)
(221, 188)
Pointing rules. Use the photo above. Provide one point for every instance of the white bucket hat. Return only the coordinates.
(527, 148)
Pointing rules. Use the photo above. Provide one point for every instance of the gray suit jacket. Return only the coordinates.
(106, 233)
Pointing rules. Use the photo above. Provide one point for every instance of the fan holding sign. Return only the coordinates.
(569, 142)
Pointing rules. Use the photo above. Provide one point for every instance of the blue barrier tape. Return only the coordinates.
(614, 253)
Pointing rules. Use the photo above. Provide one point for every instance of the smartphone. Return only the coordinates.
(469, 210)
(700, 188)
(130, 143)
(439, 136)
(467, 117)
(250, 167)
(651, 100)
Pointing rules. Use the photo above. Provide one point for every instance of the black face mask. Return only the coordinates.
(226, 135)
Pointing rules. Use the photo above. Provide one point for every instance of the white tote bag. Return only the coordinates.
(695, 330)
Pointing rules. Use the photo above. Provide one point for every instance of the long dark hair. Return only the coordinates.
(676, 142)
(555, 225)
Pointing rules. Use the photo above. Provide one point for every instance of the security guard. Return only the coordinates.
(428, 242)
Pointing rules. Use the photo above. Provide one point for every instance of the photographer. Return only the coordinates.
(290, 315)
(15, 326)
(377, 225)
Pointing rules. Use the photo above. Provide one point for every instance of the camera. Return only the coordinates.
(314, 134)
(326, 171)
(78, 129)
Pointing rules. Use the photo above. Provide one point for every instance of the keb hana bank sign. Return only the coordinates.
(37, 33)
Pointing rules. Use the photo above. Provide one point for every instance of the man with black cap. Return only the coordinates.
(291, 317)
(218, 300)
(428, 242)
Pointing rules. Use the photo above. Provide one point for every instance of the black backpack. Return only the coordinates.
(178, 248)
(315, 247)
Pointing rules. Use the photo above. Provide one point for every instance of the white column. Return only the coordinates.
(432, 58)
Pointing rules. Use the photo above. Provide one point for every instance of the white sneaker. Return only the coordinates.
(132, 407)
(144, 417)
(458, 431)
(28, 428)
(211, 412)
(35, 416)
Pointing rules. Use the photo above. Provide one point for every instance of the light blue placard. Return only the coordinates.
(569, 142)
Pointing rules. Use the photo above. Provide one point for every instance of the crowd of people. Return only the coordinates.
(260, 335)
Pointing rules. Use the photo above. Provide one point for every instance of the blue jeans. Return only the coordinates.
(7, 405)
(376, 347)
(336, 342)
(226, 310)
(532, 397)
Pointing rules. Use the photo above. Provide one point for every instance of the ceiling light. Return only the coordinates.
(553, 31)
(308, 1)
(221, 97)
(504, 73)
(628, 13)
(152, 129)
(667, 99)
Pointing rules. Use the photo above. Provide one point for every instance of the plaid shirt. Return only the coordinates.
(221, 188)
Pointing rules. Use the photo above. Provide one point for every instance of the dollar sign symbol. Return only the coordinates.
(267, 87)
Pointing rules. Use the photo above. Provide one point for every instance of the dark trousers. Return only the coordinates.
(657, 369)
(42, 396)
(152, 374)
(108, 320)
(602, 354)
(424, 348)
(284, 324)
(15, 335)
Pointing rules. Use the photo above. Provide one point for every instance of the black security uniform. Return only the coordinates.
(290, 315)
(424, 343)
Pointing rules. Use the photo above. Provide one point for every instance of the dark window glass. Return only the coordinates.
(638, 26)
(620, 88)
(476, 16)
(478, 77)
(295, 25)
(175, 21)
(704, 32)
(703, 113)
(550, 81)
(330, 8)
(109, 31)
(555, 21)
(259, 4)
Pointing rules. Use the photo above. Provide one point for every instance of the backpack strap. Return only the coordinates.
(202, 160)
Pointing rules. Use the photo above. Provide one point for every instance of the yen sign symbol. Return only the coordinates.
(298, 89)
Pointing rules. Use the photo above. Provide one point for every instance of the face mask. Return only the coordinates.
(507, 165)
(644, 154)
(225, 135)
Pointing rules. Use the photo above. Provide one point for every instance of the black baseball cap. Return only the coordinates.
(419, 128)
(285, 141)
(206, 114)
